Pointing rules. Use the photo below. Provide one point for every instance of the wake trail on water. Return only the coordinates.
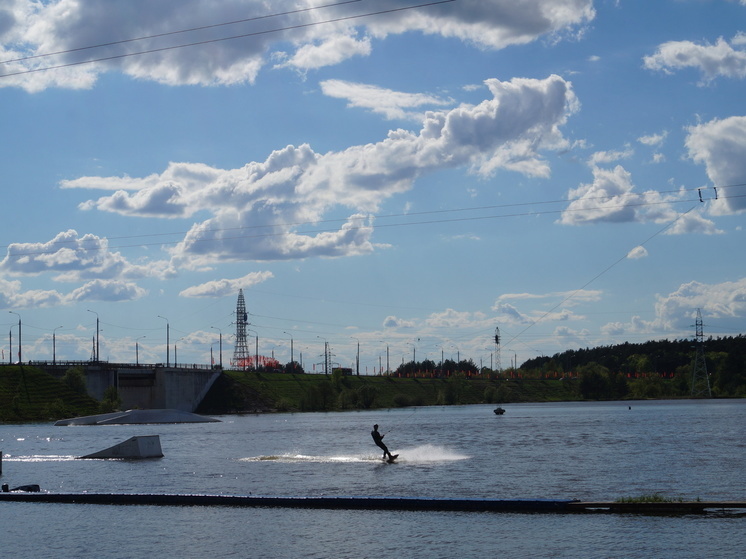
(428, 453)
(425, 454)
(39, 458)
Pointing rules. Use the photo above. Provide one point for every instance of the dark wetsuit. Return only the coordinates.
(378, 439)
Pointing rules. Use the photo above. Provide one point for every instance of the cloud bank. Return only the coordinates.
(306, 38)
(278, 209)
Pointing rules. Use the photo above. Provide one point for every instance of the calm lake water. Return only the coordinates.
(588, 451)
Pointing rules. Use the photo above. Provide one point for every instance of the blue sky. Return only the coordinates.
(571, 172)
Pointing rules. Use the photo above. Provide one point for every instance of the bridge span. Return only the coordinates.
(144, 386)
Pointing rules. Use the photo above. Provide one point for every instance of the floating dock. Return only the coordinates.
(380, 503)
(138, 417)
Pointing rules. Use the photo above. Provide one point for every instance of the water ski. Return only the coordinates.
(392, 459)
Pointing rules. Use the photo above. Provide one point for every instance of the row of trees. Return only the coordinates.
(652, 369)
(429, 368)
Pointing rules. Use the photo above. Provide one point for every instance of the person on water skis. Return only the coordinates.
(378, 439)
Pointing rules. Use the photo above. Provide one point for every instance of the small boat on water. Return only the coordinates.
(499, 411)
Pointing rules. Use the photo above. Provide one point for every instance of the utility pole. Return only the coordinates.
(20, 357)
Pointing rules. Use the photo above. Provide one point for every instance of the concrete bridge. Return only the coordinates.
(154, 386)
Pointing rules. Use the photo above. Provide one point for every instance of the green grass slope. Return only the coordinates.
(29, 394)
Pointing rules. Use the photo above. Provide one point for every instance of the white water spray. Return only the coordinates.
(429, 454)
(425, 454)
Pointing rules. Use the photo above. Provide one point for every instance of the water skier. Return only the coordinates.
(378, 439)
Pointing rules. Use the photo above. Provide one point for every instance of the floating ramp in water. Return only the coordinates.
(148, 446)
(138, 417)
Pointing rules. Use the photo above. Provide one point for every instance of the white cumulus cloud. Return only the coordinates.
(72, 257)
(276, 209)
(223, 287)
(712, 60)
(389, 103)
(721, 145)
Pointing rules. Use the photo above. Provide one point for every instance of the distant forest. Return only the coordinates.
(654, 369)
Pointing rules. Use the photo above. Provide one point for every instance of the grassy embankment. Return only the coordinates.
(239, 391)
(29, 394)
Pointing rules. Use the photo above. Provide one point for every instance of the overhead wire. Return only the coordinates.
(286, 226)
(598, 275)
(180, 31)
(222, 39)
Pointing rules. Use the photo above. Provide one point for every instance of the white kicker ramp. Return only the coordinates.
(148, 446)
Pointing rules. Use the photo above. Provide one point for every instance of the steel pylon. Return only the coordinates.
(241, 352)
(700, 378)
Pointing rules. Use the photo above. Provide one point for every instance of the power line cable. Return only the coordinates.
(594, 278)
(169, 33)
(285, 226)
(222, 39)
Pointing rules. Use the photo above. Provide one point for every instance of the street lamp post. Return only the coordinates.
(357, 357)
(256, 349)
(221, 345)
(20, 356)
(414, 350)
(168, 341)
(291, 350)
(10, 345)
(326, 355)
(137, 350)
(387, 355)
(54, 345)
(176, 359)
(96, 357)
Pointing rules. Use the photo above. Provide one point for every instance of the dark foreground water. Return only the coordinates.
(588, 451)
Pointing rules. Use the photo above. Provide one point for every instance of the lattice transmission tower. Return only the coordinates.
(241, 355)
(700, 378)
(498, 367)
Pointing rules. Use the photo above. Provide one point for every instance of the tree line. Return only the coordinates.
(652, 369)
